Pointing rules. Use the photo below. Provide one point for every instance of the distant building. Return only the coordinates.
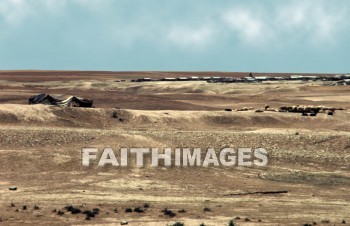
(296, 77)
(228, 79)
(261, 78)
(216, 78)
(168, 79)
(249, 79)
(338, 77)
(310, 77)
(182, 79)
(206, 78)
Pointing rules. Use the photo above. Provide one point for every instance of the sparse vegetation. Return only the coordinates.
(128, 210)
(206, 209)
(231, 223)
(326, 221)
(73, 210)
(89, 213)
(114, 114)
(139, 210)
(178, 223)
(168, 212)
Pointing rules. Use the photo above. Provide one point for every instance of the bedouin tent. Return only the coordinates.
(71, 101)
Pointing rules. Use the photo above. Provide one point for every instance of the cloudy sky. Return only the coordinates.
(178, 35)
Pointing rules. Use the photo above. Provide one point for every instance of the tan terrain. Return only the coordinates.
(41, 151)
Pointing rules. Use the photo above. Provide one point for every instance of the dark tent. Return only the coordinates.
(71, 101)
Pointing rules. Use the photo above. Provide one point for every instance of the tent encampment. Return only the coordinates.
(70, 101)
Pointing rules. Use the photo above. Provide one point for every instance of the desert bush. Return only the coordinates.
(128, 210)
(168, 212)
(178, 223)
(138, 210)
(231, 223)
(206, 209)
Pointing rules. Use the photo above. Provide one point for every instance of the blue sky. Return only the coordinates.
(178, 35)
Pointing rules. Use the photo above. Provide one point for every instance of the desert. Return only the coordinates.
(306, 180)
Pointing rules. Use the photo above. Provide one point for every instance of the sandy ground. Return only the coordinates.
(40, 149)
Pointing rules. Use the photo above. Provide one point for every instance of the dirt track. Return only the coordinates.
(41, 152)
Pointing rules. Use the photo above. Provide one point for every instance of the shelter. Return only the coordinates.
(70, 101)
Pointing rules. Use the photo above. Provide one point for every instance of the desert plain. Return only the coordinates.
(40, 151)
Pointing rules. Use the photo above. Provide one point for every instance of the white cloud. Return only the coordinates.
(136, 32)
(249, 27)
(254, 24)
(317, 21)
(191, 36)
(14, 12)
(93, 5)
(54, 6)
(308, 21)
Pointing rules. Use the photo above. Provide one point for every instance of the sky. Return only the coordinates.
(310, 36)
